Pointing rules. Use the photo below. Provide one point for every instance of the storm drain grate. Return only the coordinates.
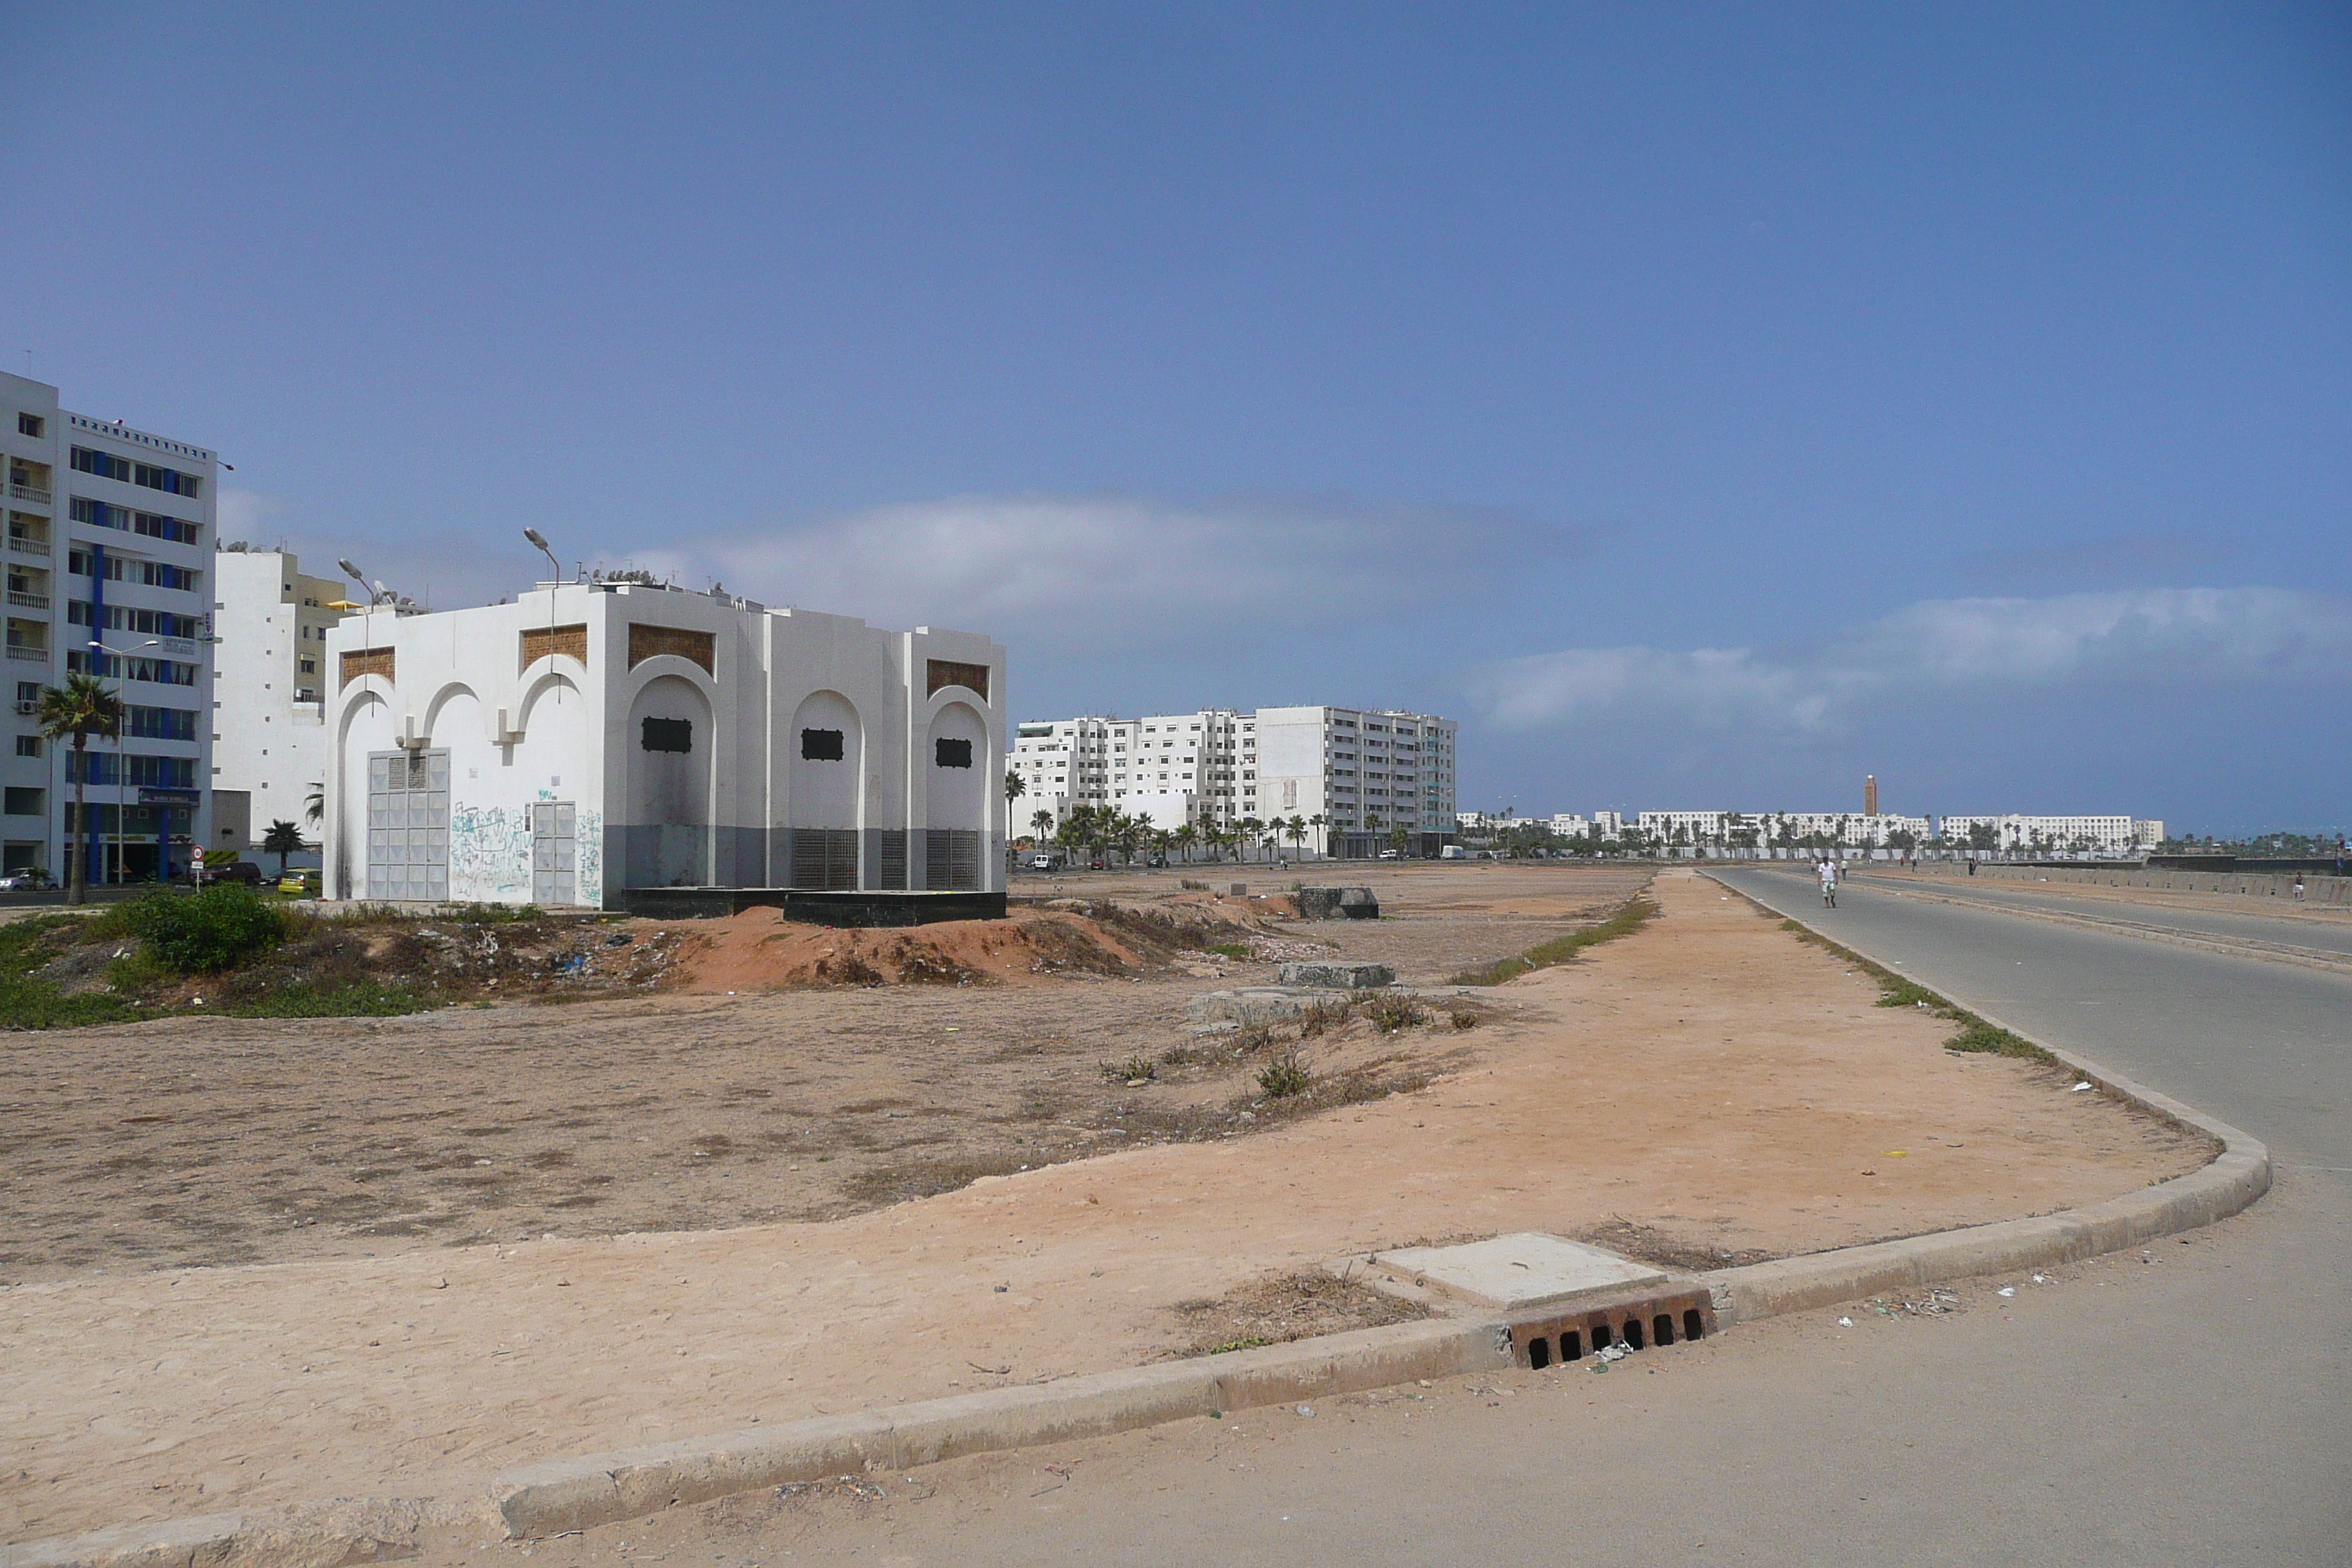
(1654, 1317)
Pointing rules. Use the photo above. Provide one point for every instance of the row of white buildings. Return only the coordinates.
(585, 742)
(1794, 830)
(1356, 778)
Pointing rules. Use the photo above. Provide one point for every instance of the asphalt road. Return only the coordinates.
(2325, 933)
(2190, 1404)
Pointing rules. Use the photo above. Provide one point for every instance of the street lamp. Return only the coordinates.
(538, 541)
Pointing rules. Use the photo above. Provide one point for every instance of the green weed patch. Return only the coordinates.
(1628, 920)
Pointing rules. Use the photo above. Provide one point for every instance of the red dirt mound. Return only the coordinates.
(760, 950)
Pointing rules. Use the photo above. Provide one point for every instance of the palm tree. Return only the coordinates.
(1183, 838)
(1252, 830)
(84, 706)
(1296, 828)
(1318, 822)
(1041, 822)
(1015, 786)
(314, 807)
(282, 839)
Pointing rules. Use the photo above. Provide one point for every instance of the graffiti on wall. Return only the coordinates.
(489, 854)
(591, 857)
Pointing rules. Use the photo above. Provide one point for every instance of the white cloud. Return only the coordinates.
(2146, 639)
(1108, 570)
(242, 513)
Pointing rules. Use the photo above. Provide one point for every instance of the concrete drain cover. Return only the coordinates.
(1526, 1269)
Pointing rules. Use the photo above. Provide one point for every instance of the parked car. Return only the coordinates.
(1045, 863)
(31, 879)
(1096, 866)
(243, 871)
(300, 884)
(1158, 862)
(1391, 854)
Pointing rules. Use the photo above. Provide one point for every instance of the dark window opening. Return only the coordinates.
(822, 745)
(669, 735)
(952, 754)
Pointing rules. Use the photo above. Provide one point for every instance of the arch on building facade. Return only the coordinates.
(450, 691)
(824, 758)
(668, 745)
(958, 765)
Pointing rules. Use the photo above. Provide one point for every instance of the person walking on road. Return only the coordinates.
(1828, 884)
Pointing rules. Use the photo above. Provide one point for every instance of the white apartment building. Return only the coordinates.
(1175, 769)
(269, 655)
(1364, 773)
(109, 533)
(2011, 833)
(594, 738)
(1720, 829)
(1846, 829)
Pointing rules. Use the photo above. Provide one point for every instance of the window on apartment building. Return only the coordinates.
(31, 425)
(160, 723)
(171, 481)
(27, 803)
(29, 745)
(824, 746)
(105, 465)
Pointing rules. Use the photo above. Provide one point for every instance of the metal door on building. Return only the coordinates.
(408, 825)
(554, 853)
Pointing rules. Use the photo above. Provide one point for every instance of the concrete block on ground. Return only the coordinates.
(1252, 1004)
(1526, 1268)
(1327, 975)
(1338, 904)
(1238, 891)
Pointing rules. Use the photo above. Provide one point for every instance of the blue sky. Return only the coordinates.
(1707, 404)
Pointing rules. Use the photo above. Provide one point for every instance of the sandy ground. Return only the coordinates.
(210, 1140)
(1709, 1084)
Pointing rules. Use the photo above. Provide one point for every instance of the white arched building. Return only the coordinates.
(592, 739)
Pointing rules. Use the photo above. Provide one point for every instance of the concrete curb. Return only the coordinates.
(325, 1534)
(2237, 1176)
(575, 1494)
(562, 1495)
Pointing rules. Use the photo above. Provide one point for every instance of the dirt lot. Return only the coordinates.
(204, 1140)
(1706, 1088)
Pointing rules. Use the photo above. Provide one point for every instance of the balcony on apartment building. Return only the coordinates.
(29, 481)
(28, 535)
(28, 640)
(28, 588)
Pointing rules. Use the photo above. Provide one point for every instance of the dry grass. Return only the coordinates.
(1282, 1308)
